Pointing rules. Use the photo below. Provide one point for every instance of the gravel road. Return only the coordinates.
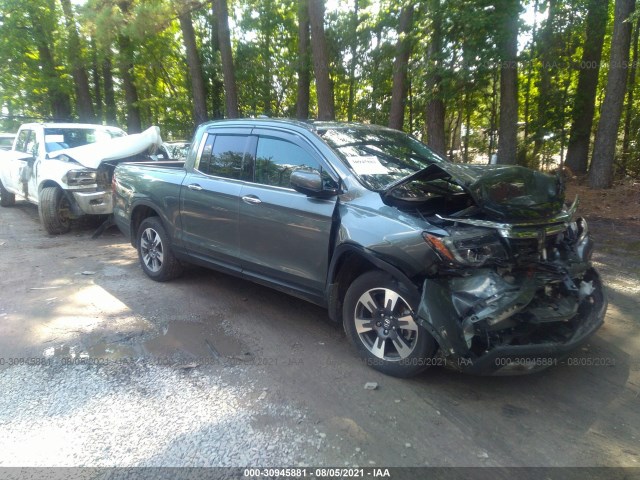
(209, 370)
(138, 414)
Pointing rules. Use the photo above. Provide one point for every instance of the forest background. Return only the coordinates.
(542, 83)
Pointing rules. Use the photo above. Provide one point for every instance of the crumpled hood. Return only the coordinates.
(93, 154)
(508, 192)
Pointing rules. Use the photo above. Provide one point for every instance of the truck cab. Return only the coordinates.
(64, 168)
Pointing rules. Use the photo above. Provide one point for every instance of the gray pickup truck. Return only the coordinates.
(425, 262)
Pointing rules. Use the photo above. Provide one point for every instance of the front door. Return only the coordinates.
(284, 236)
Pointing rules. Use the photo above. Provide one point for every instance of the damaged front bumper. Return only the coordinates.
(94, 203)
(516, 318)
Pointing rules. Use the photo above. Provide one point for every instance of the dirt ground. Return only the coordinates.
(73, 296)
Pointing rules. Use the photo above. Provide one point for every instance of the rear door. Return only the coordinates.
(284, 236)
(211, 195)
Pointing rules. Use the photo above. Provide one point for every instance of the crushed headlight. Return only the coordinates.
(80, 178)
(473, 247)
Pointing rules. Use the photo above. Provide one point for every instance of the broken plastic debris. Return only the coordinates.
(88, 272)
(371, 385)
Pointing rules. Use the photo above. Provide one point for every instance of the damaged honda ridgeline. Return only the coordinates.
(425, 261)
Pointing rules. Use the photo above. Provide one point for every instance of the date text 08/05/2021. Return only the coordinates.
(299, 472)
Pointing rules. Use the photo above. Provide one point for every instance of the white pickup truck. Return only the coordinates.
(66, 168)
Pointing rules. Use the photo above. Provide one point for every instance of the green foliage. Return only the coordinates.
(264, 38)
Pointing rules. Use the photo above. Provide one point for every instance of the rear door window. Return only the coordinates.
(225, 156)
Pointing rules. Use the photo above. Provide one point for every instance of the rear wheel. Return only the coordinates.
(7, 198)
(55, 210)
(156, 258)
(379, 319)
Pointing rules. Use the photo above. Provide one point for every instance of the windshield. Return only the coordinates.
(61, 138)
(378, 156)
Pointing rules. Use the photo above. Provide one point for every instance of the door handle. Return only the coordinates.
(194, 186)
(251, 199)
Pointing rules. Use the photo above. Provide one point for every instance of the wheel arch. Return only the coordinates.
(348, 263)
(141, 211)
(50, 183)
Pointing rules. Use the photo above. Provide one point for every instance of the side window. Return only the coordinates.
(276, 159)
(26, 142)
(223, 156)
(205, 157)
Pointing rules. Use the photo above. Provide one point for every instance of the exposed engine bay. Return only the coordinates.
(514, 269)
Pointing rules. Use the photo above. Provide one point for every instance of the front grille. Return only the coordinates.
(531, 248)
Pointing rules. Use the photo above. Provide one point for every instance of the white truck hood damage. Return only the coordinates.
(93, 154)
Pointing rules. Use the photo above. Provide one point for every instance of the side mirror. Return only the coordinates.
(310, 183)
(25, 157)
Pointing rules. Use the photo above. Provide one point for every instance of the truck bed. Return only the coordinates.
(132, 180)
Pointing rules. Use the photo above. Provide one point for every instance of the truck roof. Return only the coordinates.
(310, 125)
(68, 125)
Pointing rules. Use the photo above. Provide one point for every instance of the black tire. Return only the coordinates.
(385, 334)
(55, 210)
(154, 251)
(7, 199)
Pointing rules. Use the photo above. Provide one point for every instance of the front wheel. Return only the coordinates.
(55, 210)
(379, 319)
(156, 258)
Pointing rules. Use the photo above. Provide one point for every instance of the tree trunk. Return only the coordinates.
(435, 113)
(265, 26)
(126, 66)
(320, 53)
(508, 123)
(228, 70)
(547, 74)
(95, 75)
(109, 93)
(467, 125)
(84, 103)
(304, 62)
(493, 117)
(216, 85)
(604, 148)
(198, 91)
(585, 99)
(353, 61)
(626, 137)
(375, 74)
(134, 121)
(400, 67)
(522, 160)
(60, 102)
(454, 143)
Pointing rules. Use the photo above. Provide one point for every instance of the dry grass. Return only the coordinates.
(620, 203)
